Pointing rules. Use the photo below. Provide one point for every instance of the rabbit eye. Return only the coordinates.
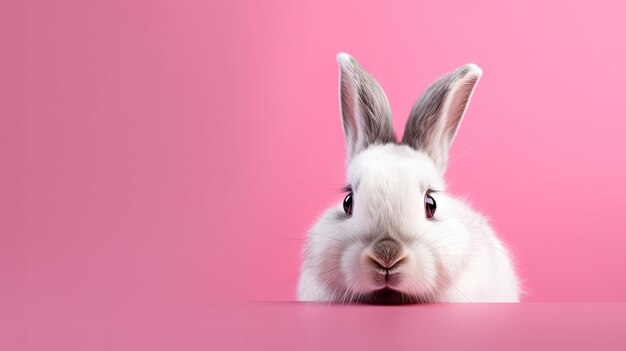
(430, 206)
(347, 204)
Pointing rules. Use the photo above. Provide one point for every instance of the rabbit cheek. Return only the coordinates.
(420, 271)
(356, 278)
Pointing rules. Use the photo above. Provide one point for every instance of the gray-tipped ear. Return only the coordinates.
(364, 107)
(437, 114)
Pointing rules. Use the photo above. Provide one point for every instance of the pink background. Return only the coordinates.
(162, 151)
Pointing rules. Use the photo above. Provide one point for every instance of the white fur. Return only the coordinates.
(453, 257)
(456, 258)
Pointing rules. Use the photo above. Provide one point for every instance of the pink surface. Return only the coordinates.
(159, 151)
(307, 326)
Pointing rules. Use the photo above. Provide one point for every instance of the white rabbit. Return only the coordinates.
(398, 236)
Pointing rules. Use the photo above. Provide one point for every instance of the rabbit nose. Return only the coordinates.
(386, 254)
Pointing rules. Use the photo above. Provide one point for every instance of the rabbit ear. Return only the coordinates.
(364, 107)
(436, 116)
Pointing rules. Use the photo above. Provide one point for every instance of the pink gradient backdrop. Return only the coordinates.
(159, 151)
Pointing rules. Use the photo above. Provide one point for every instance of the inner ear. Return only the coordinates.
(365, 109)
(460, 95)
(436, 116)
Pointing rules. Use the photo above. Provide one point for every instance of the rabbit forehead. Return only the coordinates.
(393, 168)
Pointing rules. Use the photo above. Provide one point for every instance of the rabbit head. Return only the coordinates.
(397, 236)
